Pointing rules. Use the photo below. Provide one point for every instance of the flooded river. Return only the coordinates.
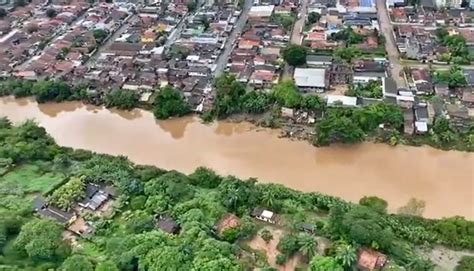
(444, 180)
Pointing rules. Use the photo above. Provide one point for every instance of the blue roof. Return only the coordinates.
(366, 3)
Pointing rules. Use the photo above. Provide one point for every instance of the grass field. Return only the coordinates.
(30, 179)
(20, 185)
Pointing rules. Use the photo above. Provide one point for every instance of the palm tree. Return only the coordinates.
(346, 255)
(307, 245)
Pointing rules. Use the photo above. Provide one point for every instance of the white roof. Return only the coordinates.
(310, 77)
(421, 126)
(406, 98)
(267, 214)
(345, 100)
(261, 11)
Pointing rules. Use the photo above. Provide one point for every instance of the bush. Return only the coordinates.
(281, 259)
(169, 103)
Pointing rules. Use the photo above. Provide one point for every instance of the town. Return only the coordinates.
(415, 55)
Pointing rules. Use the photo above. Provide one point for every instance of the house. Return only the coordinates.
(468, 97)
(311, 79)
(334, 100)
(389, 87)
(469, 74)
(229, 221)
(409, 121)
(307, 227)
(442, 90)
(365, 77)
(94, 197)
(42, 207)
(371, 260)
(264, 215)
(459, 115)
(318, 60)
(167, 224)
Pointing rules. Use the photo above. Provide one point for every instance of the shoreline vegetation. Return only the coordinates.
(311, 119)
(32, 164)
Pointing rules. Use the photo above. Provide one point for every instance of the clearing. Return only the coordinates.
(271, 250)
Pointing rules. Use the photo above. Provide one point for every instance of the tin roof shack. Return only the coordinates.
(167, 224)
(228, 222)
(42, 207)
(459, 116)
(409, 121)
(369, 260)
(264, 215)
(94, 197)
(468, 97)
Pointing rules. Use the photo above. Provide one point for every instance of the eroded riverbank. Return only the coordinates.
(443, 179)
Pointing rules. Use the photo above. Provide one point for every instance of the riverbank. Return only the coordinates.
(442, 179)
(373, 123)
(143, 200)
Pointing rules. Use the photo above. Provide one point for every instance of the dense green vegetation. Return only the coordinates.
(373, 89)
(458, 50)
(122, 99)
(454, 77)
(295, 55)
(285, 20)
(169, 103)
(127, 239)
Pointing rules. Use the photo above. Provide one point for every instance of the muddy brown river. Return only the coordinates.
(443, 179)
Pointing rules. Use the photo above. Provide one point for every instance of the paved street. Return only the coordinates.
(239, 26)
(296, 34)
(390, 46)
(91, 61)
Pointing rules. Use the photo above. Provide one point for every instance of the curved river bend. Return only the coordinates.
(443, 179)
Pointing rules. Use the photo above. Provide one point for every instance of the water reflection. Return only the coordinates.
(128, 115)
(175, 127)
(53, 109)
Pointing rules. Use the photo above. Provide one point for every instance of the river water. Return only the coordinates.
(443, 179)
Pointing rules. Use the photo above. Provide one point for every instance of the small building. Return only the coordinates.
(371, 260)
(318, 60)
(167, 224)
(409, 121)
(229, 221)
(42, 207)
(307, 227)
(264, 215)
(366, 77)
(94, 197)
(442, 90)
(468, 97)
(311, 79)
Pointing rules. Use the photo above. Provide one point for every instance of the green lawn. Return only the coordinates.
(30, 179)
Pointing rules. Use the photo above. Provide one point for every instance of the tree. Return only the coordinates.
(47, 90)
(122, 99)
(255, 102)
(295, 55)
(375, 203)
(313, 17)
(228, 96)
(138, 221)
(51, 12)
(169, 103)
(414, 207)
(3, 13)
(19, 3)
(307, 245)
(286, 94)
(337, 129)
(347, 54)
(106, 266)
(266, 235)
(77, 263)
(285, 20)
(205, 177)
(100, 35)
(312, 103)
(454, 77)
(320, 263)
(41, 239)
(289, 244)
(191, 5)
(345, 255)
(65, 196)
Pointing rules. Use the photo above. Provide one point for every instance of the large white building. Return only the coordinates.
(311, 79)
